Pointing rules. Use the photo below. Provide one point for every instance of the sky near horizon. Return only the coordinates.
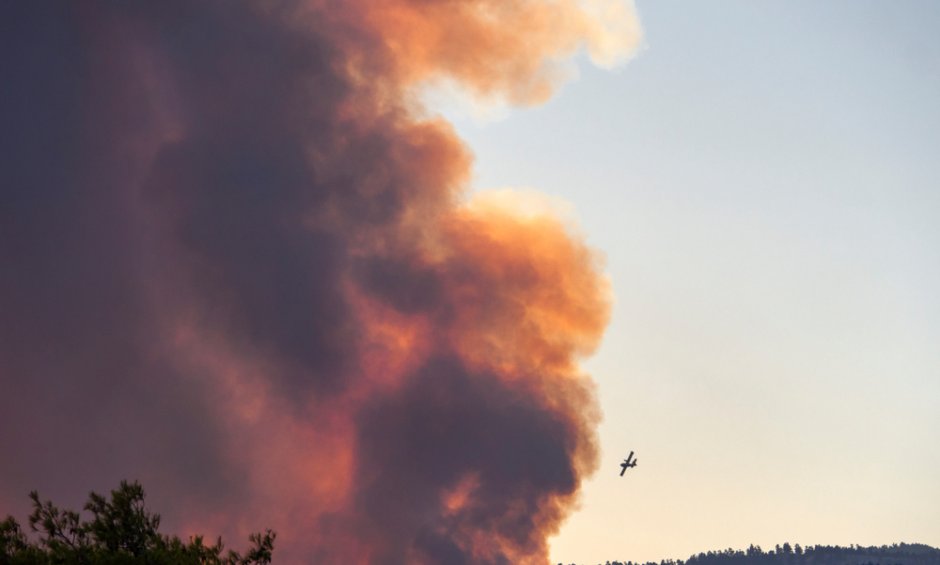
(764, 183)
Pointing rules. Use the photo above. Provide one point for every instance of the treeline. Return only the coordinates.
(786, 554)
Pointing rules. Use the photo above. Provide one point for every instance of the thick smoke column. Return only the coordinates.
(238, 265)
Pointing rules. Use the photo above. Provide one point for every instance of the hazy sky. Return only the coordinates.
(763, 180)
(236, 264)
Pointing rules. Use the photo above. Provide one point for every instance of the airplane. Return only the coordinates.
(627, 464)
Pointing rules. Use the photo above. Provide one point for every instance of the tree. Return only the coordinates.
(121, 531)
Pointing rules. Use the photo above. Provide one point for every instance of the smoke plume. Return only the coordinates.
(239, 264)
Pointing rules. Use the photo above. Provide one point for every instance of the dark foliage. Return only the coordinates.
(120, 531)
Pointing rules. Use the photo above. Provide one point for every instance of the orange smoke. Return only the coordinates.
(492, 47)
(332, 339)
(529, 297)
(462, 426)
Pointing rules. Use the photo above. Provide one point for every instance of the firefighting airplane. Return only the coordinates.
(627, 463)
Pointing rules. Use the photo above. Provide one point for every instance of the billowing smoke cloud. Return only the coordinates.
(238, 265)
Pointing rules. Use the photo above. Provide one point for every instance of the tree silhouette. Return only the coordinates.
(121, 531)
(787, 554)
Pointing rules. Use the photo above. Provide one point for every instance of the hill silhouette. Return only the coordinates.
(786, 554)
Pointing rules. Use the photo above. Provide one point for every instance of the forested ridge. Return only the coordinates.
(786, 554)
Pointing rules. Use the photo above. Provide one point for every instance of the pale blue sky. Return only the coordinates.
(764, 181)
